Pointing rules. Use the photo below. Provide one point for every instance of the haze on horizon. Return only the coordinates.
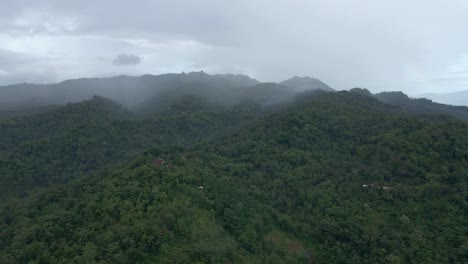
(413, 46)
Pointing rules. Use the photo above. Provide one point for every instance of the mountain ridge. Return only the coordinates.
(418, 106)
(306, 83)
(127, 90)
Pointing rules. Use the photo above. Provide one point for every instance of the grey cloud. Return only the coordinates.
(126, 59)
(10, 59)
(381, 45)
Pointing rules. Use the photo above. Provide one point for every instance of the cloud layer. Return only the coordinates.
(416, 46)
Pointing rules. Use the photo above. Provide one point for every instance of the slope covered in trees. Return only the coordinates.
(76, 139)
(127, 90)
(306, 83)
(150, 94)
(334, 178)
(417, 106)
(422, 106)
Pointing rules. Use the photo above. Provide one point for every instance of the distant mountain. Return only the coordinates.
(306, 83)
(422, 106)
(127, 90)
(457, 98)
(215, 96)
(419, 106)
(227, 90)
(223, 90)
(149, 93)
(268, 93)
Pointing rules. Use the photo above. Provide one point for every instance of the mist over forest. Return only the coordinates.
(133, 91)
(240, 131)
(149, 93)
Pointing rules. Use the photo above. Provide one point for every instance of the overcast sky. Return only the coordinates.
(416, 46)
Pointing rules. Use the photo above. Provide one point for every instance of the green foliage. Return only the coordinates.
(421, 106)
(82, 138)
(286, 188)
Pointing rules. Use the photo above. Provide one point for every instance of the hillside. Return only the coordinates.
(150, 94)
(306, 83)
(422, 106)
(56, 120)
(80, 138)
(127, 90)
(417, 106)
(264, 94)
(333, 178)
(153, 93)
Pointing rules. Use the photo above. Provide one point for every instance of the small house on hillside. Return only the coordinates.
(158, 162)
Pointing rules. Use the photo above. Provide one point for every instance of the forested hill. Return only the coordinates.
(80, 138)
(306, 83)
(418, 106)
(334, 178)
(57, 120)
(127, 90)
(151, 93)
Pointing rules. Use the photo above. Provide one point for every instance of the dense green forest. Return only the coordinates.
(417, 106)
(80, 138)
(332, 178)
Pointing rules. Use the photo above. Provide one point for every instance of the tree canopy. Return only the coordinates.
(332, 178)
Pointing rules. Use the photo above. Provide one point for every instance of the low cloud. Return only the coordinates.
(380, 45)
(126, 59)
